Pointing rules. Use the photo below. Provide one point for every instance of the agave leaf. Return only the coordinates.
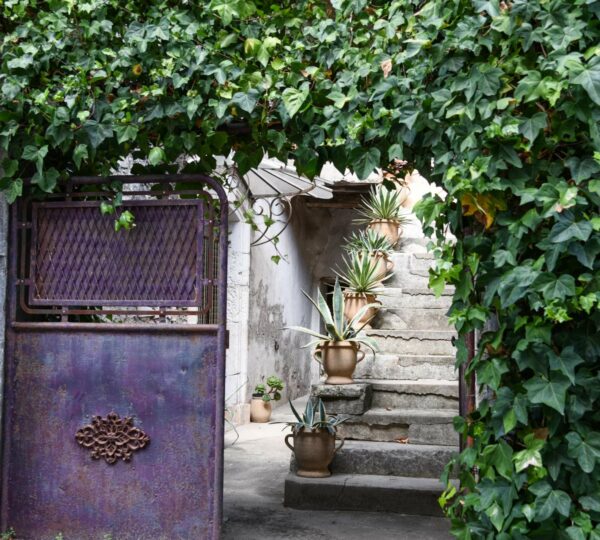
(308, 331)
(338, 308)
(310, 414)
(296, 414)
(322, 414)
(324, 310)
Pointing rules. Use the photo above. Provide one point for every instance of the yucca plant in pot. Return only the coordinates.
(383, 213)
(363, 284)
(376, 246)
(313, 435)
(338, 349)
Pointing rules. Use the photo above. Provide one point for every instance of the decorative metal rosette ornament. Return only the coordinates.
(112, 438)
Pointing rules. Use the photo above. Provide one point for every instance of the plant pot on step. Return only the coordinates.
(339, 359)
(390, 228)
(354, 302)
(260, 410)
(314, 451)
(382, 264)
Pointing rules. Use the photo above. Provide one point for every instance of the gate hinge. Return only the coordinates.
(226, 339)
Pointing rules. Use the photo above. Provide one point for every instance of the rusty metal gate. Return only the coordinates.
(114, 378)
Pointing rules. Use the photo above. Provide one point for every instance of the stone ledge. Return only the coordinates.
(344, 398)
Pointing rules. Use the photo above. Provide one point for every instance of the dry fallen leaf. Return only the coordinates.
(386, 67)
(402, 440)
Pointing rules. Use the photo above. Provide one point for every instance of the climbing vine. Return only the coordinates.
(497, 102)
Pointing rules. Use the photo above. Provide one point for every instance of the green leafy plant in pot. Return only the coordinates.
(314, 435)
(383, 213)
(374, 245)
(363, 284)
(260, 407)
(338, 349)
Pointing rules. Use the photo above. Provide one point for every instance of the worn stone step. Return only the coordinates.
(418, 394)
(363, 492)
(390, 458)
(412, 319)
(418, 426)
(406, 367)
(413, 342)
(413, 298)
(410, 270)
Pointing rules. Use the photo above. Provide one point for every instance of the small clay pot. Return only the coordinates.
(260, 410)
(390, 228)
(314, 451)
(354, 302)
(339, 359)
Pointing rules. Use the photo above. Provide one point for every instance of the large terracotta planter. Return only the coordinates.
(388, 228)
(383, 265)
(260, 410)
(354, 302)
(314, 451)
(339, 359)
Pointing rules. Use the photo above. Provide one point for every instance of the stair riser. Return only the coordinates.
(319, 495)
(425, 434)
(409, 461)
(414, 345)
(395, 400)
(413, 319)
(406, 368)
(400, 300)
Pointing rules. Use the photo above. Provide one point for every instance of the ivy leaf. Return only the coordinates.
(555, 288)
(46, 180)
(246, 100)
(548, 392)
(156, 156)
(566, 230)
(125, 133)
(531, 127)
(566, 362)
(15, 190)
(556, 501)
(585, 451)
(80, 153)
(364, 161)
(589, 78)
(494, 512)
(515, 284)
(293, 99)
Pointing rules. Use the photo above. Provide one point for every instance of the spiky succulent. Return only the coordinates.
(383, 204)
(369, 241)
(314, 418)
(360, 274)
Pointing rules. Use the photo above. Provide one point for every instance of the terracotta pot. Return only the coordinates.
(353, 302)
(339, 359)
(388, 228)
(314, 451)
(384, 265)
(260, 411)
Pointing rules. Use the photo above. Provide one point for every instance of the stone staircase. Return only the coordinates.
(399, 435)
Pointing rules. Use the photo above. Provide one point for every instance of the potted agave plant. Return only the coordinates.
(338, 349)
(313, 434)
(363, 283)
(377, 247)
(383, 213)
(260, 406)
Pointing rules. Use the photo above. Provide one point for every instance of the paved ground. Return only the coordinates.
(255, 468)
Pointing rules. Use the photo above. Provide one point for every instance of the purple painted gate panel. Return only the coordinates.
(63, 370)
(59, 381)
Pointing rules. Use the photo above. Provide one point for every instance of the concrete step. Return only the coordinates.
(419, 394)
(406, 367)
(369, 493)
(418, 426)
(413, 298)
(412, 319)
(392, 458)
(413, 342)
(410, 270)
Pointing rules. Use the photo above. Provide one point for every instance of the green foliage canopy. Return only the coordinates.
(498, 102)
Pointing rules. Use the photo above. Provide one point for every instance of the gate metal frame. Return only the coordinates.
(18, 308)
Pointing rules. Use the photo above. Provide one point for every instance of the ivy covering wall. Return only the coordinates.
(498, 102)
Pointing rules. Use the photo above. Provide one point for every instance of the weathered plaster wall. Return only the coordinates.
(311, 245)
